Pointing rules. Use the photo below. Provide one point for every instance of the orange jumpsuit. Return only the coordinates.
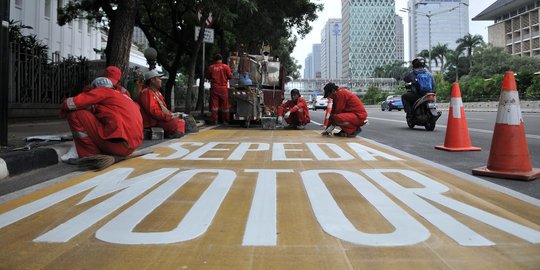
(218, 74)
(156, 114)
(348, 111)
(299, 112)
(103, 121)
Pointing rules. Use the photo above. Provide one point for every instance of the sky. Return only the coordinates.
(332, 9)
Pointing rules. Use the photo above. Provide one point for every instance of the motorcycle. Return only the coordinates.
(425, 112)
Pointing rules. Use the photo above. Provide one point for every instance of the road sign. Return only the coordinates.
(208, 34)
(209, 20)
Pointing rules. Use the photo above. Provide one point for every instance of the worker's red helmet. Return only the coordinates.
(113, 73)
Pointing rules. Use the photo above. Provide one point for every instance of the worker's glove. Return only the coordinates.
(287, 115)
(328, 130)
(280, 120)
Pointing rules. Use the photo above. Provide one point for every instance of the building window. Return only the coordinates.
(18, 3)
(47, 8)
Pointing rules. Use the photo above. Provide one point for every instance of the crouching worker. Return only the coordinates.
(103, 121)
(296, 111)
(348, 111)
(154, 110)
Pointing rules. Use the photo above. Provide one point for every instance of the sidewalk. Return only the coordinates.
(21, 156)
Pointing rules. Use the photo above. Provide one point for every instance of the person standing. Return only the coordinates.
(219, 74)
(154, 110)
(103, 121)
(348, 111)
(296, 111)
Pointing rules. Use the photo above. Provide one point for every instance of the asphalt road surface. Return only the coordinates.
(390, 128)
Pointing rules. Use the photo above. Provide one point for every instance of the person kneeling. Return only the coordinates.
(154, 110)
(348, 111)
(296, 111)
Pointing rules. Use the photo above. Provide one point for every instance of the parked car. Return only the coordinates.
(320, 103)
(392, 103)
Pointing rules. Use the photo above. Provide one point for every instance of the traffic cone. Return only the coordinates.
(509, 154)
(457, 133)
(328, 111)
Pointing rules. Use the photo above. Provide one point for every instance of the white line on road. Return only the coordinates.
(530, 136)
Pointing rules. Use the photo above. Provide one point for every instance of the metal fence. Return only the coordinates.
(36, 80)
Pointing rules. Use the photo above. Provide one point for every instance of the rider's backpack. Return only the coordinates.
(425, 82)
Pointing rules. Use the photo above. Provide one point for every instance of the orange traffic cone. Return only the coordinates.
(328, 111)
(509, 154)
(457, 133)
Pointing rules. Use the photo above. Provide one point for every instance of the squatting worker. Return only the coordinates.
(154, 109)
(348, 111)
(219, 74)
(114, 74)
(296, 111)
(103, 121)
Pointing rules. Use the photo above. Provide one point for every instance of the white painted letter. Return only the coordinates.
(407, 231)
(131, 189)
(196, 155)
(197, 220)
(278, 152)
(262, 222)
(433, 190)
(241, 150)
(368, 153)
(180, 151)
(321, 155)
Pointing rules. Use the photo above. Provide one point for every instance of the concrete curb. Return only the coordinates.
(19, 162)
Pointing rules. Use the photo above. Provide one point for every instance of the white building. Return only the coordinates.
(447, 19)
(78, 38)
(316, 63)
(308, 67)
(400, 39)
(331, 50)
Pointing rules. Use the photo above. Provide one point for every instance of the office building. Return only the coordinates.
(331, 50)
(515, 26)
(308, 67)
(400, 39)
(369, 36)
(438, 21)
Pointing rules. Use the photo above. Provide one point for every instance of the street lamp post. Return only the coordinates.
(429, 15)
(151, 55)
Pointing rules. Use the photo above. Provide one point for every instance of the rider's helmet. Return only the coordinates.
(418, 63)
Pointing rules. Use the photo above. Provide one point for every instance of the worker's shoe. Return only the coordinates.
(175, 135)
(225, 123)
(300, 127)
(290, 126)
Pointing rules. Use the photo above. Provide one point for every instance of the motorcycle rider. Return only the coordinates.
(411, 82)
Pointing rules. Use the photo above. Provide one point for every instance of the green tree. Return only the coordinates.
(439, 54)
(468, 43)
(396, 70)
(373, 95)
(533, 91)
(120, 16)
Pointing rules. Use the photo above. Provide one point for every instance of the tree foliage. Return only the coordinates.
(396, 70)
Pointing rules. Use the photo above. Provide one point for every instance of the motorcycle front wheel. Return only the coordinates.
(410, 123)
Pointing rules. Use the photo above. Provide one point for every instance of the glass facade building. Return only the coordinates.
(369, 36)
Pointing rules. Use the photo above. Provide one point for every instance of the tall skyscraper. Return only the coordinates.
(369, 36)
(308, 67)
(449, 22)
(316, 64)
(400, 39)
(331, 50)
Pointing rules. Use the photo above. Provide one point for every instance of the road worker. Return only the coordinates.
(114, 74)
(154, 109)
(296, 111)
(219, 74)
(348, 111)
(103, 121)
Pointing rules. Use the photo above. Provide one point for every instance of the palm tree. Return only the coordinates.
(469, 42)
(424, 54)
(439, 52)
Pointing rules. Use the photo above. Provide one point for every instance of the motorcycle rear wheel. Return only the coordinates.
(430, 126)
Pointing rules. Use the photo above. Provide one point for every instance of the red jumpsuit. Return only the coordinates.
(299, 112)
(348, 111)
(156, 114)
(103, 121)
(218, 74)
